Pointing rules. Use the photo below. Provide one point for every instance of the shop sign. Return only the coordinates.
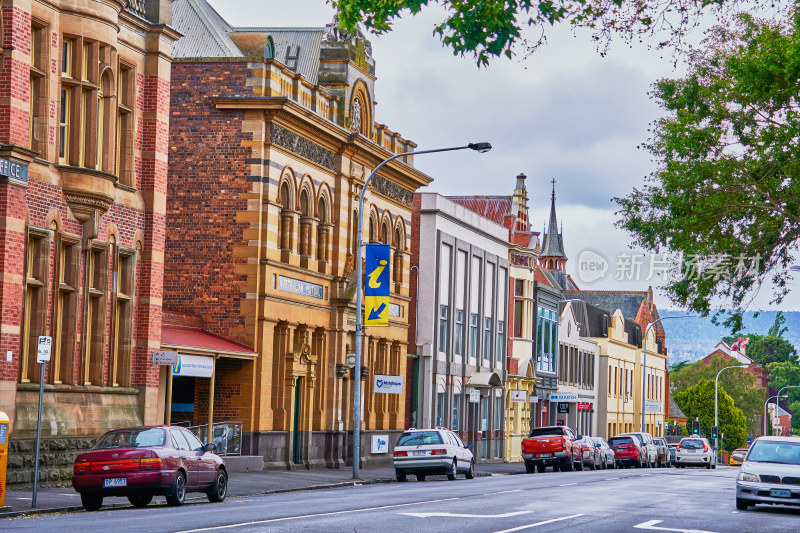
(563, 397)
(389, 384)
(517, 396)
(563, 407)
(652, 407)
(474, 396)
(584, 407)
(197, 366)
(303, 288)
(12, 170)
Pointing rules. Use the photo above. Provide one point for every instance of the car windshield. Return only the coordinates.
(639, 439)
(770, 451)
(598, 441)
(616, 441)
(546, 432)
(419, 438)
(131, 438)
(691, 443)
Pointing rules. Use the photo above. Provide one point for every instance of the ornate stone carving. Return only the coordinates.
(355, 116)
(302, 147)
(523, 260)
(136, 6)
(392, 190)
(334, 34)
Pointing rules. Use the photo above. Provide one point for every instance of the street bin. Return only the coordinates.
(4, 436)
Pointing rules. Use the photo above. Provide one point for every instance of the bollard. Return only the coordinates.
(4, 437)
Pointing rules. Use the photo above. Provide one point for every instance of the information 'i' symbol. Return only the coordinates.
(375, 274)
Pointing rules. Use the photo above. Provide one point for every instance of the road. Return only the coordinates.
(599, 501)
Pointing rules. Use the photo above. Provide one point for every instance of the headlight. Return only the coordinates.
(747, 476)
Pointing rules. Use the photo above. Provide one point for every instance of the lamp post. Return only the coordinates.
(481, 147)
(644, 359)
(780, 391)
(765, 409)
(716, 400)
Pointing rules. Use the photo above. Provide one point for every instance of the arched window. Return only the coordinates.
(305, 225)
(384, 233)
(399, 248)
(371, 230)
(323, 230)
(286, 221)
(304, 203)
(354, 234)
(103, 121)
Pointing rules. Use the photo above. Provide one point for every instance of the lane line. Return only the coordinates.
(314, 515)
(505, 491)
(458, 515)
(567, 484)
(651, 524)
(519, 528)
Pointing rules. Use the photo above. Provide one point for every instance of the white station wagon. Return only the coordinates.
(425, 452)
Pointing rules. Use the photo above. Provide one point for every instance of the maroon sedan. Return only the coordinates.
(142, 462)
(627, 451)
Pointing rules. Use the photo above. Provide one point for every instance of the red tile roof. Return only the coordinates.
(202, 339)
(539, 276)
(492, 207)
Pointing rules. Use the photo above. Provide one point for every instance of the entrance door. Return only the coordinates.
(296, 422)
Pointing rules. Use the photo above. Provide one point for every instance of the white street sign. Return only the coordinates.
(43, 351)
(518, 396)
(380, 444)
(474, 396)
(161, 357)
(388, 384)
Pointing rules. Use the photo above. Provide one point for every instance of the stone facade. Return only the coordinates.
(84, 111)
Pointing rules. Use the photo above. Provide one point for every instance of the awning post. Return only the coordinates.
(168, 414)
(210, 436)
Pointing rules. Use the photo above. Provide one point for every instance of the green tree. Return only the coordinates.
(698, 401)
(766, 350)
(727, 186)
(778, 329)
(487, 29)
(738, 383)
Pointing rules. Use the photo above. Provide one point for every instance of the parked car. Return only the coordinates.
(673, 453)
(646, 442)
(590, 455)
(737, 457)
(627, 451)
(425, 452)
(142, 462)
(695, 451)
(608, 458)
(770, 473)
(551, 446)
(662, 451)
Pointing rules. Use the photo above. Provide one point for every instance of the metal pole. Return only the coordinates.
(716, 400)
(359, 300)
(778, 401)
(765, 412)
(38, 437)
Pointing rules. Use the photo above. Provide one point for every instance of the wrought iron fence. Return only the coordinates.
(226, 435)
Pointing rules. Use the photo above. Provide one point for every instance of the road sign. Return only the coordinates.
(43, 351)
(162, 357)
(474, 396)
(376, 289)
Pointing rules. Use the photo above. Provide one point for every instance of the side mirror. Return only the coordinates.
(210, 447)
(579, 437)
(737, 457)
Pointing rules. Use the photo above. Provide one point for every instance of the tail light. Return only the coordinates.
(705, 448)
(151, 463)
(439, 452)
(678, 447)
(563, 442)
(115, 466)
(400, 454)
(81, 467)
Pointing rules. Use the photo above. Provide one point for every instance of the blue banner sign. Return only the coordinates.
(376, 285)
(302, 288)
(12, 170)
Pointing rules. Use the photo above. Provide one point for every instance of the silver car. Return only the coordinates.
(770, 473)
(695, 451)
(425, 452)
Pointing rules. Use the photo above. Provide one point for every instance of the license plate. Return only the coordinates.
(544, 455)
(115, 482)
(419, 453)
(778, 493)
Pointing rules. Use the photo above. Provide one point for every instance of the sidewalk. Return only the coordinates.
(240, 484)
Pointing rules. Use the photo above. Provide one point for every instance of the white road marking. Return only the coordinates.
(507, 491)
(314, 515)
(652, 526)
(519, 528)
(457, 515)
(611, 478)
(567, 484)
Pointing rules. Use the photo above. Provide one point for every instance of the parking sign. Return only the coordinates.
(43, 350)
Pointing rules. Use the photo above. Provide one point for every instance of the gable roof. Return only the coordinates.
(628, 302)
(495, 208)
(674, 410)
(302, 43)
(205, 32)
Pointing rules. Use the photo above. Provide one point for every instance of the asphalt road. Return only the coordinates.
(692, 500)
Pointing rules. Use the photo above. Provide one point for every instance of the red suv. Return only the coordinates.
(627, 451)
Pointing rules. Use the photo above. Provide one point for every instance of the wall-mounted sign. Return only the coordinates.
(563, 407)
(652, 407)
(197, 366)
(380, 443)
(389, 384)
(474, 396)
(12, 170)
(163, 357)
(376, 285)
(43, 350)
(534, 399)
(303, 288)
(518, 396)
(563, 397)
(584, 407)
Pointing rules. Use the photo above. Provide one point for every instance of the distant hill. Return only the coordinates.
(693, 338)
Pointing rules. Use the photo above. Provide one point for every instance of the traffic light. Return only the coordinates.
(714, 434)
(695, 427)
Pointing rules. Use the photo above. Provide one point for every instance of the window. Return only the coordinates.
(443, 323)
(122, 287)
(487, 338)
(96, 316)
(473, 335)
(474, 305)
(63, 126)
(519, 287)
(38, 98)
(440, 409)
(192, 440)
(457, 400)
(547, 340)
(459, 332)
(488, 302)
(501, 340)
(616, 389)
(518, 318)
(34, 321)
(65, 324)
(125, 103)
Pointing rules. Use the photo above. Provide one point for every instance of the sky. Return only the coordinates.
(564, 113)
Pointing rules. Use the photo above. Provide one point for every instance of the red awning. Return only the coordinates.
(202, 341)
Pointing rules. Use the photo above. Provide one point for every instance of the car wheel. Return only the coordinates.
(178, 495)
(91, 502)
(541, 468)
(220, 488)
(453, 473)
(638, 464)
(579, 465)
(140, 500)
(420, 477)
(568, 465)
(400, 477)
(556, 468)
(471, 472)
(741, 504)
(530, 468)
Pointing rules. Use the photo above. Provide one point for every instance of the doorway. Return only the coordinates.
(296, 422)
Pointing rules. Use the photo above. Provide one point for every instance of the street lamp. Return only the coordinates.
(765, 409)
(644, 359)
(716, 401)
(779, 393)
(482, 148)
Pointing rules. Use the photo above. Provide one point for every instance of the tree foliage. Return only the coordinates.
(727, 186)
(698, 401)
(737, 382)
(487, 29)
(766, 350)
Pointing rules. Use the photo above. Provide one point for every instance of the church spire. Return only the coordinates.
(553, 244)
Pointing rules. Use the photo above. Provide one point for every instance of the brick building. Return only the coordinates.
(84, 109)
(272, 135)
